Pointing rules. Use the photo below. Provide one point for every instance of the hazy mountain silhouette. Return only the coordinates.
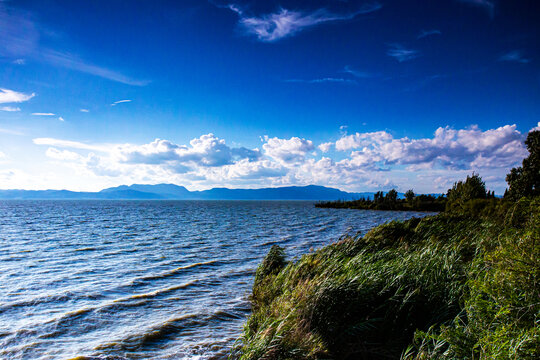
(175, 192)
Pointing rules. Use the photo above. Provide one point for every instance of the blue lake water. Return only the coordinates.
(145, 279)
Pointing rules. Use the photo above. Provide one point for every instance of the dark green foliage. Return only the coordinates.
(525, 180)
(391, 202)
(409, 195)
(472, 188)
(456, 284)
(501, 310)
(391, 196)
(272, 263)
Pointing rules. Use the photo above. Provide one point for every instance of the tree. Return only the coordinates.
(472, 188)
(525, 180)
(409, 195)
(391, 196)
(378, 197)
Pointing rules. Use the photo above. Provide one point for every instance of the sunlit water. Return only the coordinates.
(145, 279)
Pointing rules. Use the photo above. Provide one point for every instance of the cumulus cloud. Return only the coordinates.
(325, 147)
(10, 96)
(284, 23)
(207, 150)
(368, 161)
(451, 149)
(288, 151)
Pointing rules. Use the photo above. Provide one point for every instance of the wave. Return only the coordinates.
(171, 329)
(173, 272)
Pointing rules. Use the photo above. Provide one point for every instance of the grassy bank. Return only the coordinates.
(459, 285)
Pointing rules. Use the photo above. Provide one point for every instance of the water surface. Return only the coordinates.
(145, 279)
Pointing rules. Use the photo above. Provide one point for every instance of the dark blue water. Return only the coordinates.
(145, 280)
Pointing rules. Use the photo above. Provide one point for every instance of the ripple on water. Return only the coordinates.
(145, 279)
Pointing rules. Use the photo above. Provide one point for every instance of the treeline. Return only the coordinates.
(390, 201)
(470, 193)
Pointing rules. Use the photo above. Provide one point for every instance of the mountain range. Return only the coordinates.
(175, 192)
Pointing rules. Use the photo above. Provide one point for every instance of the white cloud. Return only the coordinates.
(54, 153)
(9, 96)
(451, 149)
(70, 144)
(43, 114)
(119, 102)
(207, 150)
(401, 54)
(2, 155)
(84, 110)
(284, 23)
(325, 147)
(369, 161)
(288, 151)
(61, 118)
(10, 108)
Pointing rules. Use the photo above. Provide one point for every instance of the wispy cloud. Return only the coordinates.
(119, 102)
(359, 74)
(70, 144)
(322, 80)
(10, 108)
(284, 23)
(426, 33)
(19, 40)
(43, 114)
(70, 61)
(487, 5)
(61, 118)
(401, 53)
(9, 96)
(85, 110)
(426, 81)
(10, 132)
(514, 56)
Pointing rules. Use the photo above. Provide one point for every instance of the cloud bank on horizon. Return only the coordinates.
(356, 162)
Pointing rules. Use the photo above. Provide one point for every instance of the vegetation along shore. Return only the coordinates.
(463, 284)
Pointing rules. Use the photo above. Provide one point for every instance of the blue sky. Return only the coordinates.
(359, 95)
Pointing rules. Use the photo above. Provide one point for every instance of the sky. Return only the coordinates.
(356, 95)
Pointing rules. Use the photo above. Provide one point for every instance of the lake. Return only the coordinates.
(146, 279)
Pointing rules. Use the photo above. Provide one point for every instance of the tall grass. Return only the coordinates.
(452, 286)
